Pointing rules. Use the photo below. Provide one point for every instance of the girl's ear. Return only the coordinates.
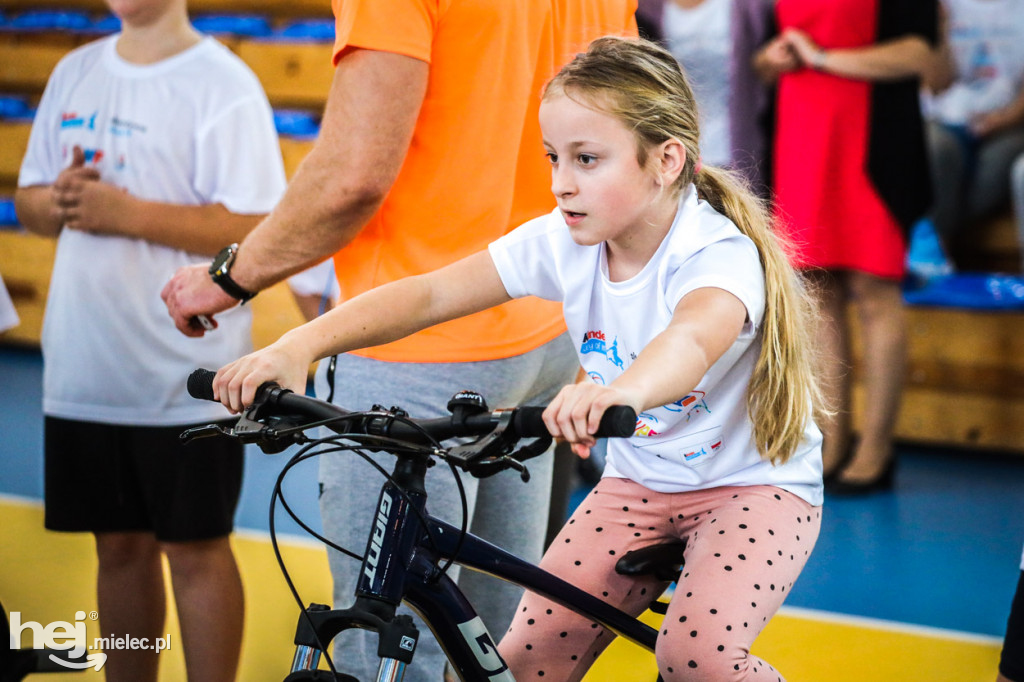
(671, 156)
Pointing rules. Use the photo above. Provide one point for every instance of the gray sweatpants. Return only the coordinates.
(502, 509)
(971, 180)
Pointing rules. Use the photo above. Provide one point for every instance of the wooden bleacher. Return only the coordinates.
(965, 383)
(965, 379)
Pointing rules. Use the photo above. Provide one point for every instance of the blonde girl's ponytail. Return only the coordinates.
(783, 392)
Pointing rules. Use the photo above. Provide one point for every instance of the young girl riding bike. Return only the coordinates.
(685, 308)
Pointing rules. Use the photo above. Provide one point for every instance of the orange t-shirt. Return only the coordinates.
(580, 22)
(458, 186)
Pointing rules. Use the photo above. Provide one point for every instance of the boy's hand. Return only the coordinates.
(66, 191)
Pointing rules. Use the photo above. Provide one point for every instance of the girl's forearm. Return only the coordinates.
(381, 315)
(669, 368)
(705, 323)
(403, 307)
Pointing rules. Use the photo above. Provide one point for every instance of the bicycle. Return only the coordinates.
(408, 552)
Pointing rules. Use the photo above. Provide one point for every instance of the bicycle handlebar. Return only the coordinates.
(618, 421)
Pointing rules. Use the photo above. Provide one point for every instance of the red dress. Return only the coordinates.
(826, 201)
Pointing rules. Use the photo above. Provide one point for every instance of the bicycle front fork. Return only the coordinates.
(319, 625)
(307, 659)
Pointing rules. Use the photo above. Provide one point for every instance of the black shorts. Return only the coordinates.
(114, 478)
(1011, 662)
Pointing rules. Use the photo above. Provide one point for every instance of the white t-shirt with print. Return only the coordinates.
(193, 129)
(987, 41)
(704, 439)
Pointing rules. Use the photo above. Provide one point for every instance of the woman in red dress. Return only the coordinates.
(850, 176)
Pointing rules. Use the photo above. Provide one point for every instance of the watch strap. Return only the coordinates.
(220, 272)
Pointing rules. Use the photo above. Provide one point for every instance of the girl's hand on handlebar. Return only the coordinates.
(281, 362)
(575, 413)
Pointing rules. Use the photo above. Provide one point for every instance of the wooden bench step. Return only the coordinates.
(964, 385)
(293, 74)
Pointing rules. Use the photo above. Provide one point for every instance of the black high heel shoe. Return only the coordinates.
(884, 481)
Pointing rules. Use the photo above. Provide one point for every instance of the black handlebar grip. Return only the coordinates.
(528, 424)
(200, 384)
(618, 421)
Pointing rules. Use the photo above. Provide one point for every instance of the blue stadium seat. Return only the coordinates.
(306, 30)
(8, 219)
(15, 107)
(48, 20)
(971, 290)
(295, 123)
(105, 24)
(238, 25)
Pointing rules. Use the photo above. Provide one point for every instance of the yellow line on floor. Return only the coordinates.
(814, 646)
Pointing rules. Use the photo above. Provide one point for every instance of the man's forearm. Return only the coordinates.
(367, 127)
(307, 225)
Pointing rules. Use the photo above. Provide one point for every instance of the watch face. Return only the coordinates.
(222, 260)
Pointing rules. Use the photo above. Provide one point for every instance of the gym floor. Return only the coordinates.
(913, 584)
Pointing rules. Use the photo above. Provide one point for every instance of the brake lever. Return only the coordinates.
(493, 446)
(534, 449)
(493, 466)
(515, 460)
(248, 430)
(494, 452)
(197, 432)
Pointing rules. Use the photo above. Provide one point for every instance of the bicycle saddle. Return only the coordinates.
(664, 561)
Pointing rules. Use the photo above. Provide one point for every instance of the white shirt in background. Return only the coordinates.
(701, 41)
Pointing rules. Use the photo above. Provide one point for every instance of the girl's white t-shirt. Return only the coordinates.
(192, 129)
(705, 438)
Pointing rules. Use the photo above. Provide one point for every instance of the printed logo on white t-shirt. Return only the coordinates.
(692, 450)
(594, 342)
(691, 405)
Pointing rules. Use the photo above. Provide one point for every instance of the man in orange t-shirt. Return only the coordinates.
(429, 150)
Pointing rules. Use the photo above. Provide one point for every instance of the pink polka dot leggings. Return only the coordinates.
(745, 548)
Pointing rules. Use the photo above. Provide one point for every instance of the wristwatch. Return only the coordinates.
(220, 272)
(818, 60)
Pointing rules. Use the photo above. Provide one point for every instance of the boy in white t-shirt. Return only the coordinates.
(151, 149)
